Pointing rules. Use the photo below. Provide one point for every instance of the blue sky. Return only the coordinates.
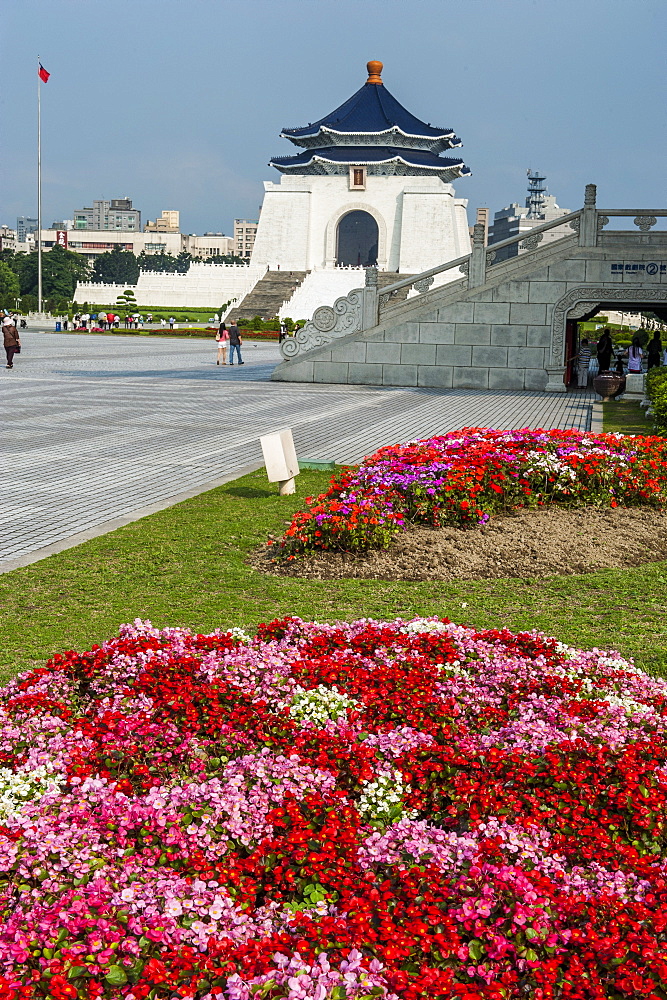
(179, 103)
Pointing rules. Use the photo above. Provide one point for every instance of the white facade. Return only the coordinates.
(203, 285)
(420, 221)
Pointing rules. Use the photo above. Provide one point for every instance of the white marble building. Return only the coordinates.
(369, 186)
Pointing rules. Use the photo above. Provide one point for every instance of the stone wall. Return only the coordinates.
(505, 334)
(203, 285)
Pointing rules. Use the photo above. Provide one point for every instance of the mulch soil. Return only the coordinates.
(527, 543)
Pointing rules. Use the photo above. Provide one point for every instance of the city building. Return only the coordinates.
(169, 222)
(245, 232)
(209, 245)
(513, 220)
(92, 242)
(114, 215)
(368, 185)
(24, 226)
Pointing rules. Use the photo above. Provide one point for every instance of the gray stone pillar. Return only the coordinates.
(369, 307)
(588, 225)
(477, 268)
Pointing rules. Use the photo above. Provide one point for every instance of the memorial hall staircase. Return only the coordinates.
(268, 295)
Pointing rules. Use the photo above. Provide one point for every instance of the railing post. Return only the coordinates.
(369, 308)
(477, 268)
(588, 225)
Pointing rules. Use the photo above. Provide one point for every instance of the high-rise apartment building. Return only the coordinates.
(116, 215)
(169, 222)
(245, 231)
(24, 226)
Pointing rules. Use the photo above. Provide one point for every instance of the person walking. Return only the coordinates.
(222, 338)
(583, 359)
(654, 350)
(10, 338)
(235, 344)
(172, 320)
(605, 351)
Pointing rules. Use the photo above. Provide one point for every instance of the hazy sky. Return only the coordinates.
(179, 103)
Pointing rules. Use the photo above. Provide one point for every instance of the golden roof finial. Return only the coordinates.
(374, 68)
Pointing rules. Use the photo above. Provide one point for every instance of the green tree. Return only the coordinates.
(126, 300)
(10, 287)
(117, 267)
(157, 262)
(61, 269)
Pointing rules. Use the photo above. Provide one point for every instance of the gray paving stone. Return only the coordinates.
(96, 428)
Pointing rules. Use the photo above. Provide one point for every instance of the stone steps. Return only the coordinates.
(268, 295)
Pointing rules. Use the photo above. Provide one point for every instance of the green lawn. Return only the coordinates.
(627, 416)
(185, 566)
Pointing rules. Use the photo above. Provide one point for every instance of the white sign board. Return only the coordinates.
(279, 455)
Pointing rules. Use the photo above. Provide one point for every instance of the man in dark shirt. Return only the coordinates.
(235, 344)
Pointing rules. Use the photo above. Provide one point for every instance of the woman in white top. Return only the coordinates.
(222, 343)
(635, 355)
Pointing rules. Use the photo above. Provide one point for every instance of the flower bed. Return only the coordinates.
(466, 476)
(402, 810)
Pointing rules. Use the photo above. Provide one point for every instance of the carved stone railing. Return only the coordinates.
(363, 308)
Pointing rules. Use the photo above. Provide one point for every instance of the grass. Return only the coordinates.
(626, 416)
(185, 566)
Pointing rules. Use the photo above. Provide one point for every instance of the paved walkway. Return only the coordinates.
(97, 428)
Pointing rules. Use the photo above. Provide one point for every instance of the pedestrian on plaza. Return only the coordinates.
(163, 322)
(10, 338)
(116, 322)
(583, 359)
(222, 338)
(283, 331)
(235, 344)
(635, 355)
(605, 351)
(172, 320)
(654, 350)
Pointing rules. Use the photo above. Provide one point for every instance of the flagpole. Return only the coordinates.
(39, 189)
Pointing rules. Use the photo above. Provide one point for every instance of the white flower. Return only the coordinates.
(320, 705)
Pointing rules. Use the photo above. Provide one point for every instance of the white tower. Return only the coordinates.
(368, 187)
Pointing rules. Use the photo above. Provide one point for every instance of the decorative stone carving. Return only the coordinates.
(581, 308)
(532, 242)
(465, 267)
(602, 221)
(579, 301)
(423, 284)
(371, 277)
(575, 224)
(590, 195)
(328, 323)
(490, 257)
(645, 222)
(478, 235)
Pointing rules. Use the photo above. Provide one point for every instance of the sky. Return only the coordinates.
(178, 104)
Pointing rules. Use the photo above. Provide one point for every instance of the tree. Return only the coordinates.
(126, 300)
(10, 287)
(165, 262)
(117, 267)
(61, 269)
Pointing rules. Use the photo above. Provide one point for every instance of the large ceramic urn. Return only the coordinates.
(609, 385)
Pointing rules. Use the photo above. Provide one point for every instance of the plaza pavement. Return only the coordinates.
(99, 430)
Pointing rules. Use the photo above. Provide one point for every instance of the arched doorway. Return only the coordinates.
(357, 240)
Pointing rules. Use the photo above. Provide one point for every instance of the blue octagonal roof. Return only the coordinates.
(372, 110)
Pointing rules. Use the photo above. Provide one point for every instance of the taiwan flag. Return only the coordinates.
(43, 75)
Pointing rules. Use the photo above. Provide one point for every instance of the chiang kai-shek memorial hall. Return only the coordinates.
(369, 186)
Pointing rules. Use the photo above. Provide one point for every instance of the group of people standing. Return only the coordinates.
(655, 355)
(228, 338)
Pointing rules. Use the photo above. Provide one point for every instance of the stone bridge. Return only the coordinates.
(504, 325)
